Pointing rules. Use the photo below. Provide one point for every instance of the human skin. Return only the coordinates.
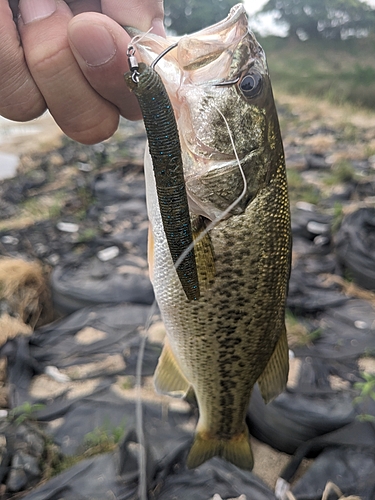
(70, 57)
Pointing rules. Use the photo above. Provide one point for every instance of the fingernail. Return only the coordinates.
(94, 43)
(34, 10)
(158, 27)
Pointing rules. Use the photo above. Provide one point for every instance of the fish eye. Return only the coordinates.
(251, 84)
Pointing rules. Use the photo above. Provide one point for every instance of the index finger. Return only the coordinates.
(142, 14)
(20, 98)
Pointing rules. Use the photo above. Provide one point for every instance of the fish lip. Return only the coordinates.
(146, 40)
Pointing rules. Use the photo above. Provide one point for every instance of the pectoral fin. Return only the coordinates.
(204, 252)
(168, 377)
(273, 380)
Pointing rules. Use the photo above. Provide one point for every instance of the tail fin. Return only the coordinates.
(236, 450)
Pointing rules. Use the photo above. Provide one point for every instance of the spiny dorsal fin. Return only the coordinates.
(168, 377)
(274, 378)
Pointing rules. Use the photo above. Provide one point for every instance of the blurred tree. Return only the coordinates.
(323, 18)
(187, 16)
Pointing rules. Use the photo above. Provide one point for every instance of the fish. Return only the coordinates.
(233, 336)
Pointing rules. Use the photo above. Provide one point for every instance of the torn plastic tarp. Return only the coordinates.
(292, 419)
(307, 295)
(115, 475)
(57, 345)
(312, 407)
(346, 457)
(94, 282)
(355, 246)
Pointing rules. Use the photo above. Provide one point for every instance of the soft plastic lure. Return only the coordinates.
(165, 151)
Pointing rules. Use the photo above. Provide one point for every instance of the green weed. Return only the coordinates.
(24, 412)
(342, 172)
(299, 190)
(367, 393)
(103, 438)
(338, 215)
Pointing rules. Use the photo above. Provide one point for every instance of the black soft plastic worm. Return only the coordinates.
(165, 151)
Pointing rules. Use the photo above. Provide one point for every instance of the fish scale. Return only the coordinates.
(234, 335)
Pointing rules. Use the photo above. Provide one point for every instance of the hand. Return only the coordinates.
(70, 57)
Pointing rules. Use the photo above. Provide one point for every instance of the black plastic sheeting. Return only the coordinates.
(311, 420)
(293, 418)
(313, 408)
(56, 345)
(116, 476)
(94, 282)
(68, 421)
(345, 456)
(355, 246)
(288, 423)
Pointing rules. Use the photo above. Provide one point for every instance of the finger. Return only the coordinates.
(20, 98)
(77, 108)
(100, 45)
(141, 14)
(78, 6)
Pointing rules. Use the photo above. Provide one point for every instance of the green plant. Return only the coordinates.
(341, 172)
(339, 70)
(338, 215)
(24, 412)
(297, 332)
(103, 438)
(301, 190)
(87, 234)
(367, 392)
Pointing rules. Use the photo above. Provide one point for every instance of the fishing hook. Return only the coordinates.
(162, 54)
(230, 82)
(133, 63)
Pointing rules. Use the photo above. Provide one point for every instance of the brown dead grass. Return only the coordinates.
(24, 288)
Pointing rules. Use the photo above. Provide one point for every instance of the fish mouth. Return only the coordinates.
(195, 51)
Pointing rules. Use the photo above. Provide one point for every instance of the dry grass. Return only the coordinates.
(25, 291)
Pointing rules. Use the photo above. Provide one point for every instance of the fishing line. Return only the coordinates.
(138, 38)
(142, 459)
(227, 211)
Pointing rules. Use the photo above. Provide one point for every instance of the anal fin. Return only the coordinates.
(274, 378)
(168, 377)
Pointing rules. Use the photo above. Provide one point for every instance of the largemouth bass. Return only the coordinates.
(234, 335)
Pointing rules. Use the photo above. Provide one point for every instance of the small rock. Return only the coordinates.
(108, 253)
(67, 227)
(9, 240)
